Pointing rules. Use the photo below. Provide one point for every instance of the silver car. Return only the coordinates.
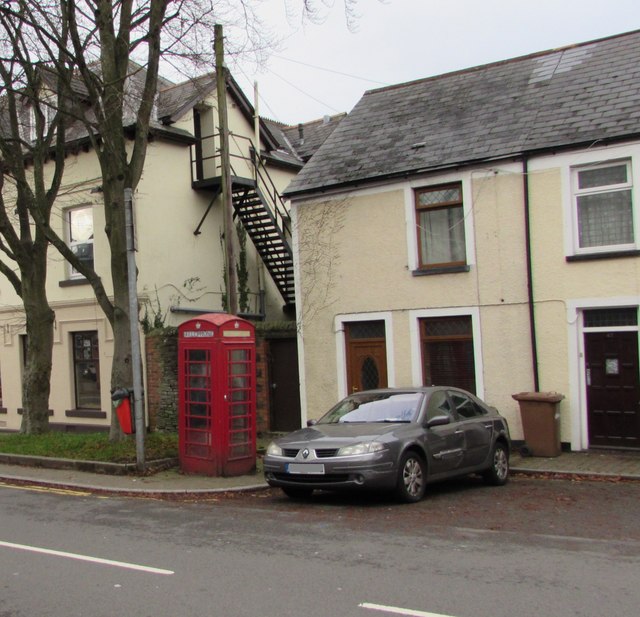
(395, 439)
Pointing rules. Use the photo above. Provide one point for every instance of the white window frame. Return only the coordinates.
(576, 192)
(341, 346)
(577, 399)
(48, 109)
(32, 124)
(73, 273)
(416, 347)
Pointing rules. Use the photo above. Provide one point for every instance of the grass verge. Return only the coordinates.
(89, 446)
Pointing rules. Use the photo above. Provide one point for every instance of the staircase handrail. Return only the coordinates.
(265, 184)
(261, 176)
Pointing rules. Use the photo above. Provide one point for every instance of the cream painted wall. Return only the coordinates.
(368, 236)
(70, 317)
(175, 266)
(561, 285)
(355, 254)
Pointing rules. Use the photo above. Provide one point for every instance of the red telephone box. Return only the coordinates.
(217, 395)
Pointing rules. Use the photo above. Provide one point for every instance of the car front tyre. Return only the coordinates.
(412, 478)
(498, 473)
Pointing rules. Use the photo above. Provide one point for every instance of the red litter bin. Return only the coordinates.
(124, 410)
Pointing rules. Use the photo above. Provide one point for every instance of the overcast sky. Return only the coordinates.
(324, 69)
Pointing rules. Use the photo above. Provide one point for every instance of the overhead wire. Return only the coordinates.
(321, 68)
(304, 92)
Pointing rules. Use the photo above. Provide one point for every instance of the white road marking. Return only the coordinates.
(98, 560)
(399, 611)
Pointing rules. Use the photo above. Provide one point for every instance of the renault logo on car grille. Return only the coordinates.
(305, 453)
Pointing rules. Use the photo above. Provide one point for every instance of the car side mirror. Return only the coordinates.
(311, 422)
(439, 421)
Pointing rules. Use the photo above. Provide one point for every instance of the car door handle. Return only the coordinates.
(459, 431)
(489, 426)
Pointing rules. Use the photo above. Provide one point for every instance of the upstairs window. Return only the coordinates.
(80, 234)
(30, 130)
(440, 223)
(603, 206)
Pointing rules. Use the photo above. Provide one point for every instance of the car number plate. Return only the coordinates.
(306, 468)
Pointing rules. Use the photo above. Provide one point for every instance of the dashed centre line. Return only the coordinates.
(87, 558)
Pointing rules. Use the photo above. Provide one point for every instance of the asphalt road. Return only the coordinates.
(534, 547)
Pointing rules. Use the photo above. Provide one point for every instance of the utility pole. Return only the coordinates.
(227, 197)
(256, 128)
(136, 355)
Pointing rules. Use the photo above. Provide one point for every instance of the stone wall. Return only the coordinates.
(161, 351)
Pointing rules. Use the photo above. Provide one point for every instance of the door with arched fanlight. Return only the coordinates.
(366, 355)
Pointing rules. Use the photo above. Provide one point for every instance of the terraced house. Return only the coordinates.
(482, 229)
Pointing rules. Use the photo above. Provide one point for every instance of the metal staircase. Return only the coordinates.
(268, 232)
(261, 210)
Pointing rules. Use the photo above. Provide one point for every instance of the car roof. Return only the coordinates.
(408, 389)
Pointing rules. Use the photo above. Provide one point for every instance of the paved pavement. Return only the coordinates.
(172, 483)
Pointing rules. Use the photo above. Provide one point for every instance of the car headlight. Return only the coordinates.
(274, 450)
(366, 447)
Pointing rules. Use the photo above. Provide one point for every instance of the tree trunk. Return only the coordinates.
(37, 374)
(121, 367)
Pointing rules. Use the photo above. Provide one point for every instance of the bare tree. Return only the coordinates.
(32, 137)
(316, 11)
(101, 58)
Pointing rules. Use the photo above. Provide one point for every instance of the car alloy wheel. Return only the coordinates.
(412, 479)
(498, 473)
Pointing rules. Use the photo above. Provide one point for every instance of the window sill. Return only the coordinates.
(607, 255)
(73, 282)
(21, 411)
(85, 413)
(442, 270)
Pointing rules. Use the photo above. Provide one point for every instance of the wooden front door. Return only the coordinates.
(613, 389)
(366, 356)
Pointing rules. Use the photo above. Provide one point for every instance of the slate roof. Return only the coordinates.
(560, 98)
(175, 99)
(307, 137)
(172, 102)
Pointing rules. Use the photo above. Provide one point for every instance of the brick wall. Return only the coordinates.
(161, 352)
(262, 385)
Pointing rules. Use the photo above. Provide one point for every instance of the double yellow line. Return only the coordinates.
(45, 489)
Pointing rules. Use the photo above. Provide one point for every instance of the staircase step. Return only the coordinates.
(268, 238)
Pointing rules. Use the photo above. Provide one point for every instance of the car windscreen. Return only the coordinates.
(386, 407)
